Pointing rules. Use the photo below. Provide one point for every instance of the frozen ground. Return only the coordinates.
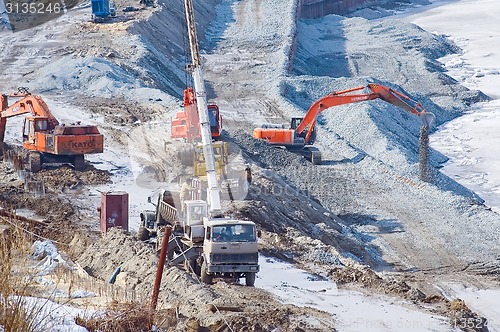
(484, 301)
(351, 311)
(471, 141)
(427, 232)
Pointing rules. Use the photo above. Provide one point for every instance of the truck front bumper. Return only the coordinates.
(233, 268)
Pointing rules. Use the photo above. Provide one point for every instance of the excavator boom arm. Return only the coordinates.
(378, 91)
(29, 104)
(333, 99)
(402, 101)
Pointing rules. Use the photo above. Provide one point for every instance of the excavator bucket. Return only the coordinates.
(427, 118)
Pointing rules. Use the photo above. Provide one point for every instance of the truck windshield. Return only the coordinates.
(234, 233)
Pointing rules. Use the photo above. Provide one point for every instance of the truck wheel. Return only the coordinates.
(205, 277)
(191, 265)
(35, 161)
(197, 268)
(143, 234)
(250, 278)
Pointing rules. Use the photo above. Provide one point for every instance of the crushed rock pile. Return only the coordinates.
(308, 233)
(368, 195)
(355, 52)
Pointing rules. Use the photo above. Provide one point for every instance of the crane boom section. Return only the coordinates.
(213, 194)
(193, 38)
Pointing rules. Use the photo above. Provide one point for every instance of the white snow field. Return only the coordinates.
(472, 142)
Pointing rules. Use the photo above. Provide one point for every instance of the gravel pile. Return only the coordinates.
(376, 198)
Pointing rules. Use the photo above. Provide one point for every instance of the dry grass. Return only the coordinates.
(458, 305)
(20, 309)
(23, 310)
(15, 282)
(128, 317)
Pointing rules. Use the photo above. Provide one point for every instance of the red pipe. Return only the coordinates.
(159, 271)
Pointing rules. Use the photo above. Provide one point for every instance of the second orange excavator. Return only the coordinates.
(43, 136)
(186, 123)
(302, 134)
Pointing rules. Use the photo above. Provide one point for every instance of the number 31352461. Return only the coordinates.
(33, 8)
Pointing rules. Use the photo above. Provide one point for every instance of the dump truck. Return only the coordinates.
(209, 247)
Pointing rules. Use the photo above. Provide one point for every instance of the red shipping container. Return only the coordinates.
(114, 210)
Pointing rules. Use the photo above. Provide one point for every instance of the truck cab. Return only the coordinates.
(210, 247)
(230, 250)
(191, 219)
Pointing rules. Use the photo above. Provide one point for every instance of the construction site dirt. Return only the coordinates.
(362, 222)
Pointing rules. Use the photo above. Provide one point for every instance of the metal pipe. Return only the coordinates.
(112, 279)
(159, 271)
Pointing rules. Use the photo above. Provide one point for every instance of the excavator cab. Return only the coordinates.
(44, 137)
(215, 120)
(186, 123)
(32, 125)
(295, 123)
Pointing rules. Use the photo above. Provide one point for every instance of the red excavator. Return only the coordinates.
(186, 123)
(302, 130)
(46, 139)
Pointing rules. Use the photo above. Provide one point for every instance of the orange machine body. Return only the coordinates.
(186, 123)
(302, 134)
(44, 136)
(62, 140)
(284, 137)
(302, 130)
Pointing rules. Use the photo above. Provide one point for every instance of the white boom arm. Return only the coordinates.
(213, 195)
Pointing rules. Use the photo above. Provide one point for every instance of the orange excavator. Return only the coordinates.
(186, 123)
(46, 140)
(302, 130)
